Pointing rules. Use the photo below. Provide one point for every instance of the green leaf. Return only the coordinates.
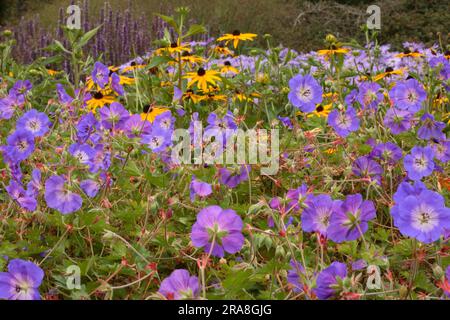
(88, 36)
(61, 47)
(193, 30)
(169, 20)
(236, 281)
(156, 61)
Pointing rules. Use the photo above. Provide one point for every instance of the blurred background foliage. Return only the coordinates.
(299, 24)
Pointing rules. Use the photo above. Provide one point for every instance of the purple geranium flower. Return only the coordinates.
(350, 218)
(83, 152)
(408, 95)
(316, 216)
(442, 150)
(20, 145)
(22, 281)
(305, 92)
(233, 179)
(423, 216)
(294, 276)
(369, 95)
(327, 280)
(286, 121)
(388, 152)
(86, 126)
(431, 129)
(35, 185)
(116, 85)
(404, 190)
(25, 199)
(101, 159)
(398, 120)
(100, 74)
(364, 167)
(21, 88)
(135, 126)
(158, 140)
(90, 187)
(114, 116)
(351, 98)
(218, 230)
(164, 121)
(359, 264)
(58, 197)
(179, 285)
(35, 122)
(9, 105)
(344, 122)
(63, 96)
(419, 163)
(199, 188)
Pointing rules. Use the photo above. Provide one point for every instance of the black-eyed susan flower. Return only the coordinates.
(222, 50)
(99, 99)
(149, 112)
(187, 57)
(214, 97)
(174, 47)
(52, 72)
(388, 73)
(408, 53)
(191, 95)
(237, 36)
(333, 50)
(202, 78)
(321, 111)
(132, 67)
(447, 54)
(241, 97)
(227, 68)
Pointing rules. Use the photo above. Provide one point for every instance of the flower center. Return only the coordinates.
(201, 72)
(412, 96)
(236, 33)
(22, 145)
(98, 95)
(420, 163)
(34, 125)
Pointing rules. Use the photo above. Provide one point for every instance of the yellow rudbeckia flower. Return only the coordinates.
(150, 113)
(237, 36)
(202, 77)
